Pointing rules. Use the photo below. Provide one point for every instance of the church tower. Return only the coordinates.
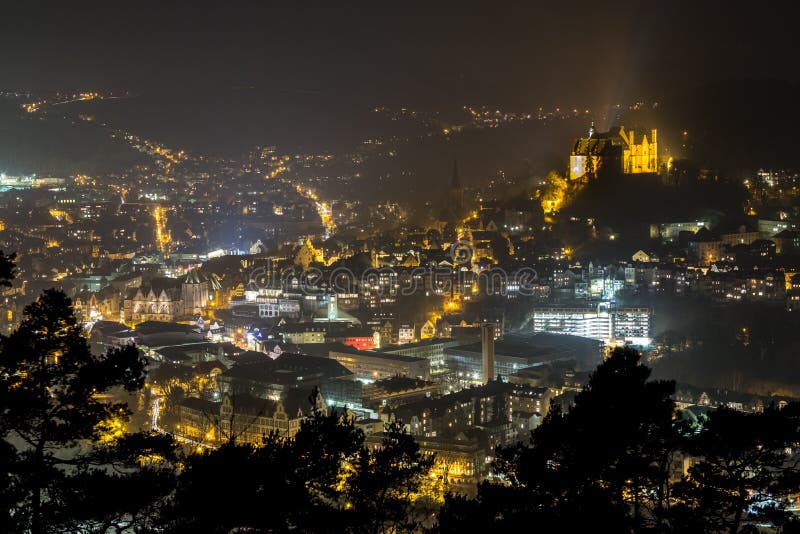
(194, 292)
(456, 192)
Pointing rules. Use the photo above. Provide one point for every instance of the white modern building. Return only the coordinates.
(602, 322)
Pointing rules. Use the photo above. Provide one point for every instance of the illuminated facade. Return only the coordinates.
(195, 293)
(371, 366)
(616, 150)
(669, 232)
(603, 323)
(168, 299)
(249, 419)
(152, 304)
(460, 463)
(98, 305)
(430, 349)
(594, 323)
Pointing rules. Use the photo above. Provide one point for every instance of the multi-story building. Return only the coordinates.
(251, 419)
(793, 292)
(740, 285)
(786, 241)
(245, 418)
(271, 379)
(518, 351)
(371, 366)
(398, 390)
(490, 408)
(460, 463)
(430, 349)
(305, 333)
(269, 303)
(669, 232)
(632, 325)
(768, 228)
(594, 323)
(602, 322)
(98, 305)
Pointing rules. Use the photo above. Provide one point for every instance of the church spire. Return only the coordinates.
(455, 193)
(456, 181)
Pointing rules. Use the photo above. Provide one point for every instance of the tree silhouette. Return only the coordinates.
(50, 404)
(322, 480)
(384, 481)
(123, 485)
(743, 463)
(605, 460)
(10, 491)
(286, 484)
(219, 491)
(610, 460)
(7, 270)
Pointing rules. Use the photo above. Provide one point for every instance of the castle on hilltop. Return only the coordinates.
(615, 150)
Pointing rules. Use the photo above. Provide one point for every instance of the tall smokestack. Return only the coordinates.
(487, 349)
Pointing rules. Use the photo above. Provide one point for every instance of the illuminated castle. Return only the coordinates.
(615, 150)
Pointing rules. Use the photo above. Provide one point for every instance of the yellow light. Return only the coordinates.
(163, 237)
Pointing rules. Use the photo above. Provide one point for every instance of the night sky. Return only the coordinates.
(515, 55)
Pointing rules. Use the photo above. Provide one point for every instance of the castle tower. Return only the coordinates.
(653, 163)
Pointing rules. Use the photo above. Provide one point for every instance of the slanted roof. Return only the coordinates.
(250, 357)
(306, 363)
(201, 405)
(787, 234)
(298, 401)
(247, 404)
(703, 235)
(396, 384)
(161, 327)
(195, 276)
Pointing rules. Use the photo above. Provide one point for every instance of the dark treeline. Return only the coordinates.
(623, 458)
(620, 459)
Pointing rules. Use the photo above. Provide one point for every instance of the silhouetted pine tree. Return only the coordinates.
(743, 462)
(384, 482)
(52, 412)
(604, 461)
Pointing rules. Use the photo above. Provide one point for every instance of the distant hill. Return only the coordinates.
(57, 146)
(734, 127)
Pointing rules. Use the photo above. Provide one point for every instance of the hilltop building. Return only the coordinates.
(615, 150)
